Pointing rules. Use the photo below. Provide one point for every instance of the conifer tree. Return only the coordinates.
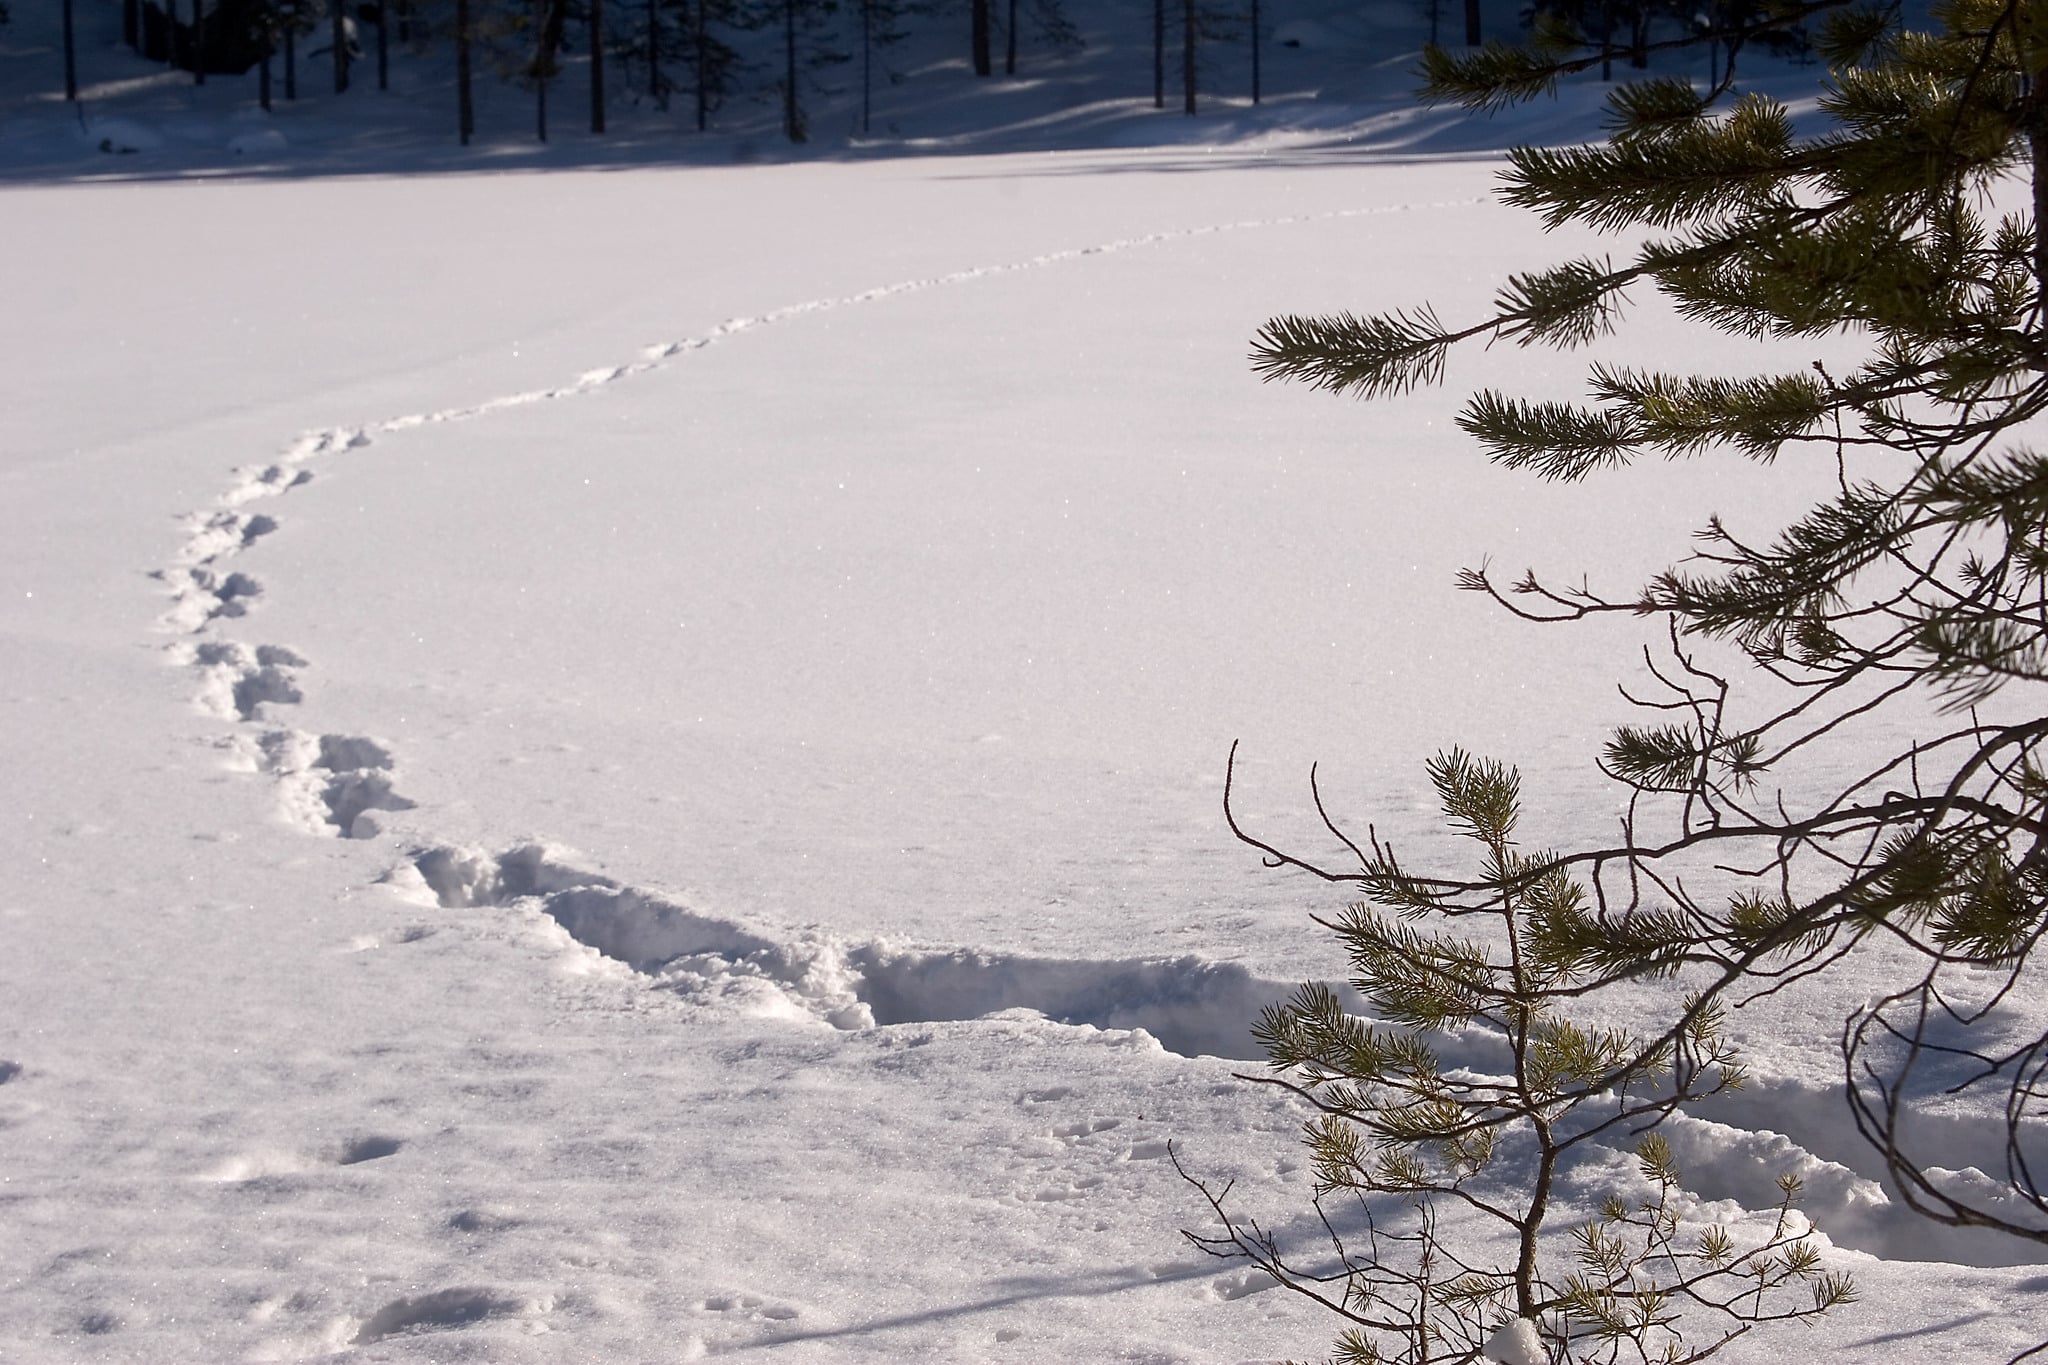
(1471, 1093)
(1918, 587)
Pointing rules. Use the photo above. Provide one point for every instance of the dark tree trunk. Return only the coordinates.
(1472, 23)
(263, 82)
(2037, 143)
(596, 66)
(383, 44)
(554, 16)
(340, 46)
(1187, 56)
(198, 42)
(291, 63)
(1158, 54)
(1010, 42)
(465, 106)
(654, 90)
(1255, 51)
(979, 21)
(867, 64)
(70, 56)
(792, 112)
(703, 65)
(131, 24)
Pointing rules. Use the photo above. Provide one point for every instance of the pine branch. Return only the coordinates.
(1371, 357)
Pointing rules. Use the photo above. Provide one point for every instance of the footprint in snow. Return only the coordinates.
(374, 1147)
(1086, 1128)
(237, 682)
(1239, 1284)
(748, 1305)
(266, 481)
(223, 533)
(331, 784)
(441, 1311)
(273, 1163)
(201, 596)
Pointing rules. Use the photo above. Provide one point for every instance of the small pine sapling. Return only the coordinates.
(1442, 1126)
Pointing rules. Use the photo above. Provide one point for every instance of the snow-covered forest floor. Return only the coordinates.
(625, 764)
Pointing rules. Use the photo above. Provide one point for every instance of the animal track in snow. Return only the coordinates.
(269, 1163)
(441, 1311)
(749, 1305)
(236, 684)
(1239, 1284)
(236, 681)
(216, 535)
(1188, 1005)
(200, 595)
(371, 1148)
(330, 785)
(479, 1220)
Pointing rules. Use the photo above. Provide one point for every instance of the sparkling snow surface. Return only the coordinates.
(627, 766)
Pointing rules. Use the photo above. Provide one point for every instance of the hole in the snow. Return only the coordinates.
(356, 1152)
(440, 1311)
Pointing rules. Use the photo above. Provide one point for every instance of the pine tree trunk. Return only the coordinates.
(340, 46)
(1472, 23)
(654, 91)
(1010, 42)
(131, 24)
(1532, 1218)
(263, 82)
(979, 21)
(1255, 51)
(540, 109)
(465, 106)
(198, 42)
(291, 63)
(1158, 54)
(597, 66)
(703, 66)
(867, 63)
(1187, 56)
(383, 44)
(2037, 144)
(792, 112)
(70, 56)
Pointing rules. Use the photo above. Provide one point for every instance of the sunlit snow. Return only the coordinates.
(617, 756)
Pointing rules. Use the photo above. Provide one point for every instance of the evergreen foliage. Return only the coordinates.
(1918, 586)
(1443, 1125)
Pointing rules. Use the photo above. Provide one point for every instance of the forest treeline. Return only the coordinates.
(697, 57)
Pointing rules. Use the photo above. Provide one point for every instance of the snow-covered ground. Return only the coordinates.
(625, 764)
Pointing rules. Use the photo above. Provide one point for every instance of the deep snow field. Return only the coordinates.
(625, 764)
